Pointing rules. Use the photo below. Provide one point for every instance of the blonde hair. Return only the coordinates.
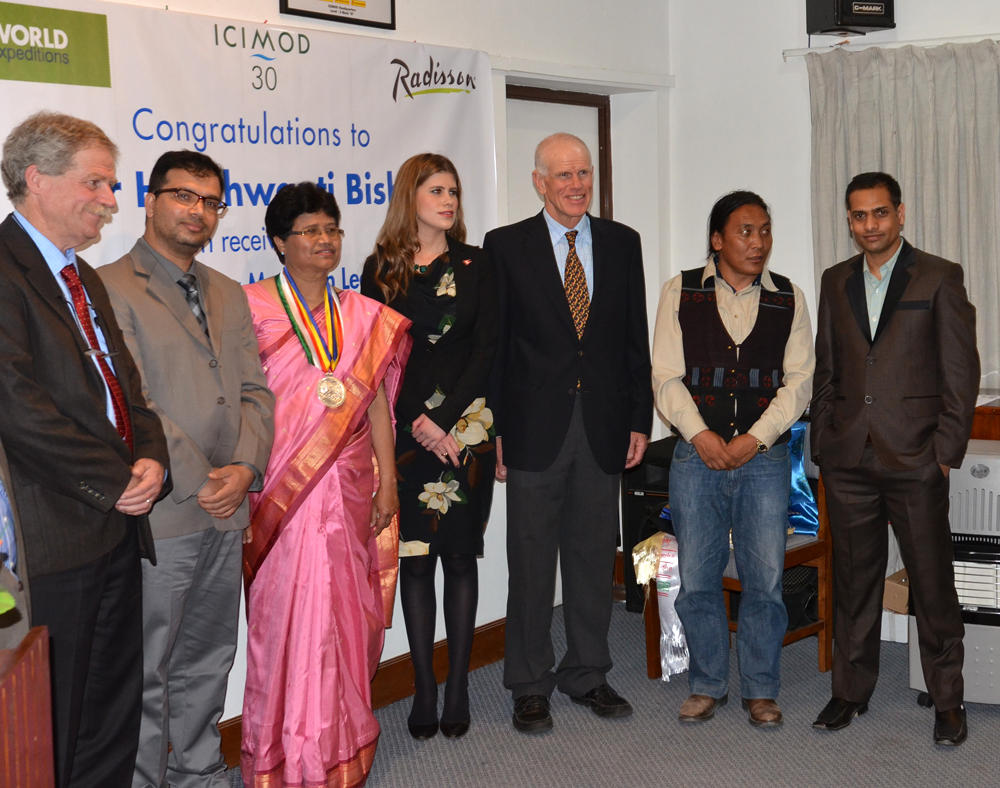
(397, 241)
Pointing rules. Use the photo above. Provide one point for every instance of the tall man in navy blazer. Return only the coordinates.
(573, 409)
(86, 455)
(897, 374)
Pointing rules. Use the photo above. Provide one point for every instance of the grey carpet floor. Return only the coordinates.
(889, 746)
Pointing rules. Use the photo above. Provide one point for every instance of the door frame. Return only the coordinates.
(603, 106)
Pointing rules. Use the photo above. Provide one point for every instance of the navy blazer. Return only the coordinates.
(540, 360)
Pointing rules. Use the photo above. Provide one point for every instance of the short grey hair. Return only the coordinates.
(542, 148)
(49, 140)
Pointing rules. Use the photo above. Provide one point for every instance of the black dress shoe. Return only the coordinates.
(604, 702)
(454, 730)
(950, 728)
(531, 714)
(421, 731)
(838, 713)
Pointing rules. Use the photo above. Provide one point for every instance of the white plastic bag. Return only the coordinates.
(673, 646)
(658, 554)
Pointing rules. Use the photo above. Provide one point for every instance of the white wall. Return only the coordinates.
(627, 37)
(740, 114)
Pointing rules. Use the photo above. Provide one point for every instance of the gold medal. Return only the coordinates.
(331, 391)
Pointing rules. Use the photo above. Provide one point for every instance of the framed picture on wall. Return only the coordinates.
(372, 13)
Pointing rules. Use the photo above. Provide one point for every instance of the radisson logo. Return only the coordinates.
(433, 79)
(868, 8)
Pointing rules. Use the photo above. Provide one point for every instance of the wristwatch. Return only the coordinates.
(761, 446)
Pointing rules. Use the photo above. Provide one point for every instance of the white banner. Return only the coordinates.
(270, 104)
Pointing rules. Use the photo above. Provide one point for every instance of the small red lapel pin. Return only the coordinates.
(467, 261)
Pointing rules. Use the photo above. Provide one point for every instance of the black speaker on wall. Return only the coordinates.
(848, 17)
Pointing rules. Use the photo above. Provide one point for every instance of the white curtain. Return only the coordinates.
(931, 118)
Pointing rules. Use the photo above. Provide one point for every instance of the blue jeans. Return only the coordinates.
(752, 500)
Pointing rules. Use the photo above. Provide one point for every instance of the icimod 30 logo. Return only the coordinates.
(436, 78)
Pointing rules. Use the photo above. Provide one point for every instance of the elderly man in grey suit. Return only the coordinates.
(87, 458)
(190, 331)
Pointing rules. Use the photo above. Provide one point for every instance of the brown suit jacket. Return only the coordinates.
(912, 387)
(68, 465)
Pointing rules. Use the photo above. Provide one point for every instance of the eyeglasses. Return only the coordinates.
(314, 231)
(190, 199)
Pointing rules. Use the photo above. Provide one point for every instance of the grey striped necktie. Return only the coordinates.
(190, 286)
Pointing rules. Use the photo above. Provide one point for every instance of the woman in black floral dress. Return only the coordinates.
(445, 444)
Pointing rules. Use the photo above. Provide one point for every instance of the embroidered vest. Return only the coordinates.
(731, 384)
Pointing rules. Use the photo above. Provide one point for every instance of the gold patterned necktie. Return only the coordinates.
(576, 287)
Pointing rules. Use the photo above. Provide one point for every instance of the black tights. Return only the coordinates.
(461, 595)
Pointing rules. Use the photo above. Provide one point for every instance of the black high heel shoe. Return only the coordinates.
(427, 730)
(454, 730)
(456, 706)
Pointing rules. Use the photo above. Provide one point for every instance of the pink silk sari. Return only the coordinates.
(320, 585)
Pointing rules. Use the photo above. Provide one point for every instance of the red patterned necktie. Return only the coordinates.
(576, 287)
(76, 290)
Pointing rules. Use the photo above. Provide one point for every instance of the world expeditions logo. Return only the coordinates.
(433, 79)
(52, 45)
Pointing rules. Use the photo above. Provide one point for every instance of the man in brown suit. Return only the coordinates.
(897, 375)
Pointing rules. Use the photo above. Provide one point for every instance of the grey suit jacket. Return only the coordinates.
(14, 623)
(211, 396)
(911, 388)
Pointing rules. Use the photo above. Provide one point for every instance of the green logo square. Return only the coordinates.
(52, 45)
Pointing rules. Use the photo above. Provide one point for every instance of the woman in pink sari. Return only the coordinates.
(320, 569)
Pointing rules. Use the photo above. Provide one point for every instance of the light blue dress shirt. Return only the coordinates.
(875, 289)
(584, 247)
(56, 261)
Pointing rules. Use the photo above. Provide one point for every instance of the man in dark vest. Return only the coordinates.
(732, 371)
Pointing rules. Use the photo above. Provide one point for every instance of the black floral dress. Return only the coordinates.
(454, 335)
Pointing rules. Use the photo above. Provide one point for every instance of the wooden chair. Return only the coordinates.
(800, 550)
(26, 758)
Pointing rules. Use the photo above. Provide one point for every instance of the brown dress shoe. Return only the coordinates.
(764, 712)
(700, 708)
